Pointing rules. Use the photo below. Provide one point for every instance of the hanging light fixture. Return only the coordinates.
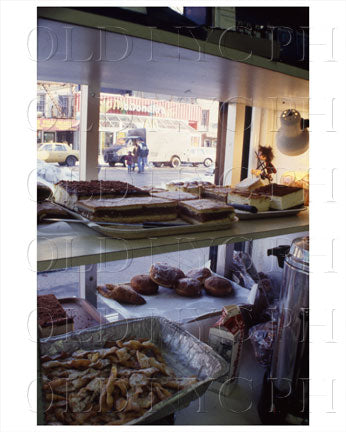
(292, 138)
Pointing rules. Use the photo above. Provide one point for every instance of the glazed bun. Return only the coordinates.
(188, 287)
(144, 285)
(165, 275)
(201, 274)
(217, 286)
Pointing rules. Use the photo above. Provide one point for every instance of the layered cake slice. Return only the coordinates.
(175, 195)
(205, 211)
(255, 199)
(68, 193)
(128, 210)
(216, 192)
(282, 197)
(51, 316)
(250, 184)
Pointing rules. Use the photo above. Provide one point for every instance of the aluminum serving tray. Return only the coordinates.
(184, 353)
(136, 231)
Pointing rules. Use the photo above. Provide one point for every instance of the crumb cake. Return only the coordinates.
(216, 192)
(68, 193)
(51, 316)
(128, 210)
(282, 197)
(255, 199)
(175, 195)
(194, 187)
(205, 211)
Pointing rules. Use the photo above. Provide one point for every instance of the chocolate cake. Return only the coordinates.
(205, 211)
(43, 192)
(47, 209)
(128, 210)
(51, 316)
(68, 193)
(282, 197)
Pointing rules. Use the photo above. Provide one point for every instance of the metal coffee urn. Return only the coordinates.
(285, 392)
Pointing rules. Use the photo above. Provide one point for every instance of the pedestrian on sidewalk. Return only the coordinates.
(145, 152)
(129, 161)
(135, 156)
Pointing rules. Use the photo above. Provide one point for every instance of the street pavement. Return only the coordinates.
(156, 176)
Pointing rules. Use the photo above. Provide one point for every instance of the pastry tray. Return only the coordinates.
(244, 215)
(136, 231)
(175, 307)
(84, 314)
(184, 353)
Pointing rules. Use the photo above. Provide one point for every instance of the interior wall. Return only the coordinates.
(264, 129)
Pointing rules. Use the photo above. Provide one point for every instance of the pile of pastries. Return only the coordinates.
(107, 386)
(191, 284)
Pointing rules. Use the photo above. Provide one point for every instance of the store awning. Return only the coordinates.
(53, 125)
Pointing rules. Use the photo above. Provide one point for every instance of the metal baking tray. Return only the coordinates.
(84, 314)
(184, 353)
(137, 231)
(243, 215)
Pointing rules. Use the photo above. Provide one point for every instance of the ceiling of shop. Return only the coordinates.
(69, 54)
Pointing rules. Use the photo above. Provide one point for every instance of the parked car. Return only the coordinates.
(201, 155)
(58, 152)
(116, 154)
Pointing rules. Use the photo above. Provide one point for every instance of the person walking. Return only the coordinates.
(129, 161)
(145, 152)
(140, 158)
(135, 156)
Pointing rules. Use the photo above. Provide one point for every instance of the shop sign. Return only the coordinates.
(53, 124)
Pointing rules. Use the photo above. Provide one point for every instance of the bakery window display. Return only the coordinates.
(67, 193)
(206, 211)
(128, 210)
(52, 317)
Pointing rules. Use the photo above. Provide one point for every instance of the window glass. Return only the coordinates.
(60, 148)
(172, 128)
(58, 119)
